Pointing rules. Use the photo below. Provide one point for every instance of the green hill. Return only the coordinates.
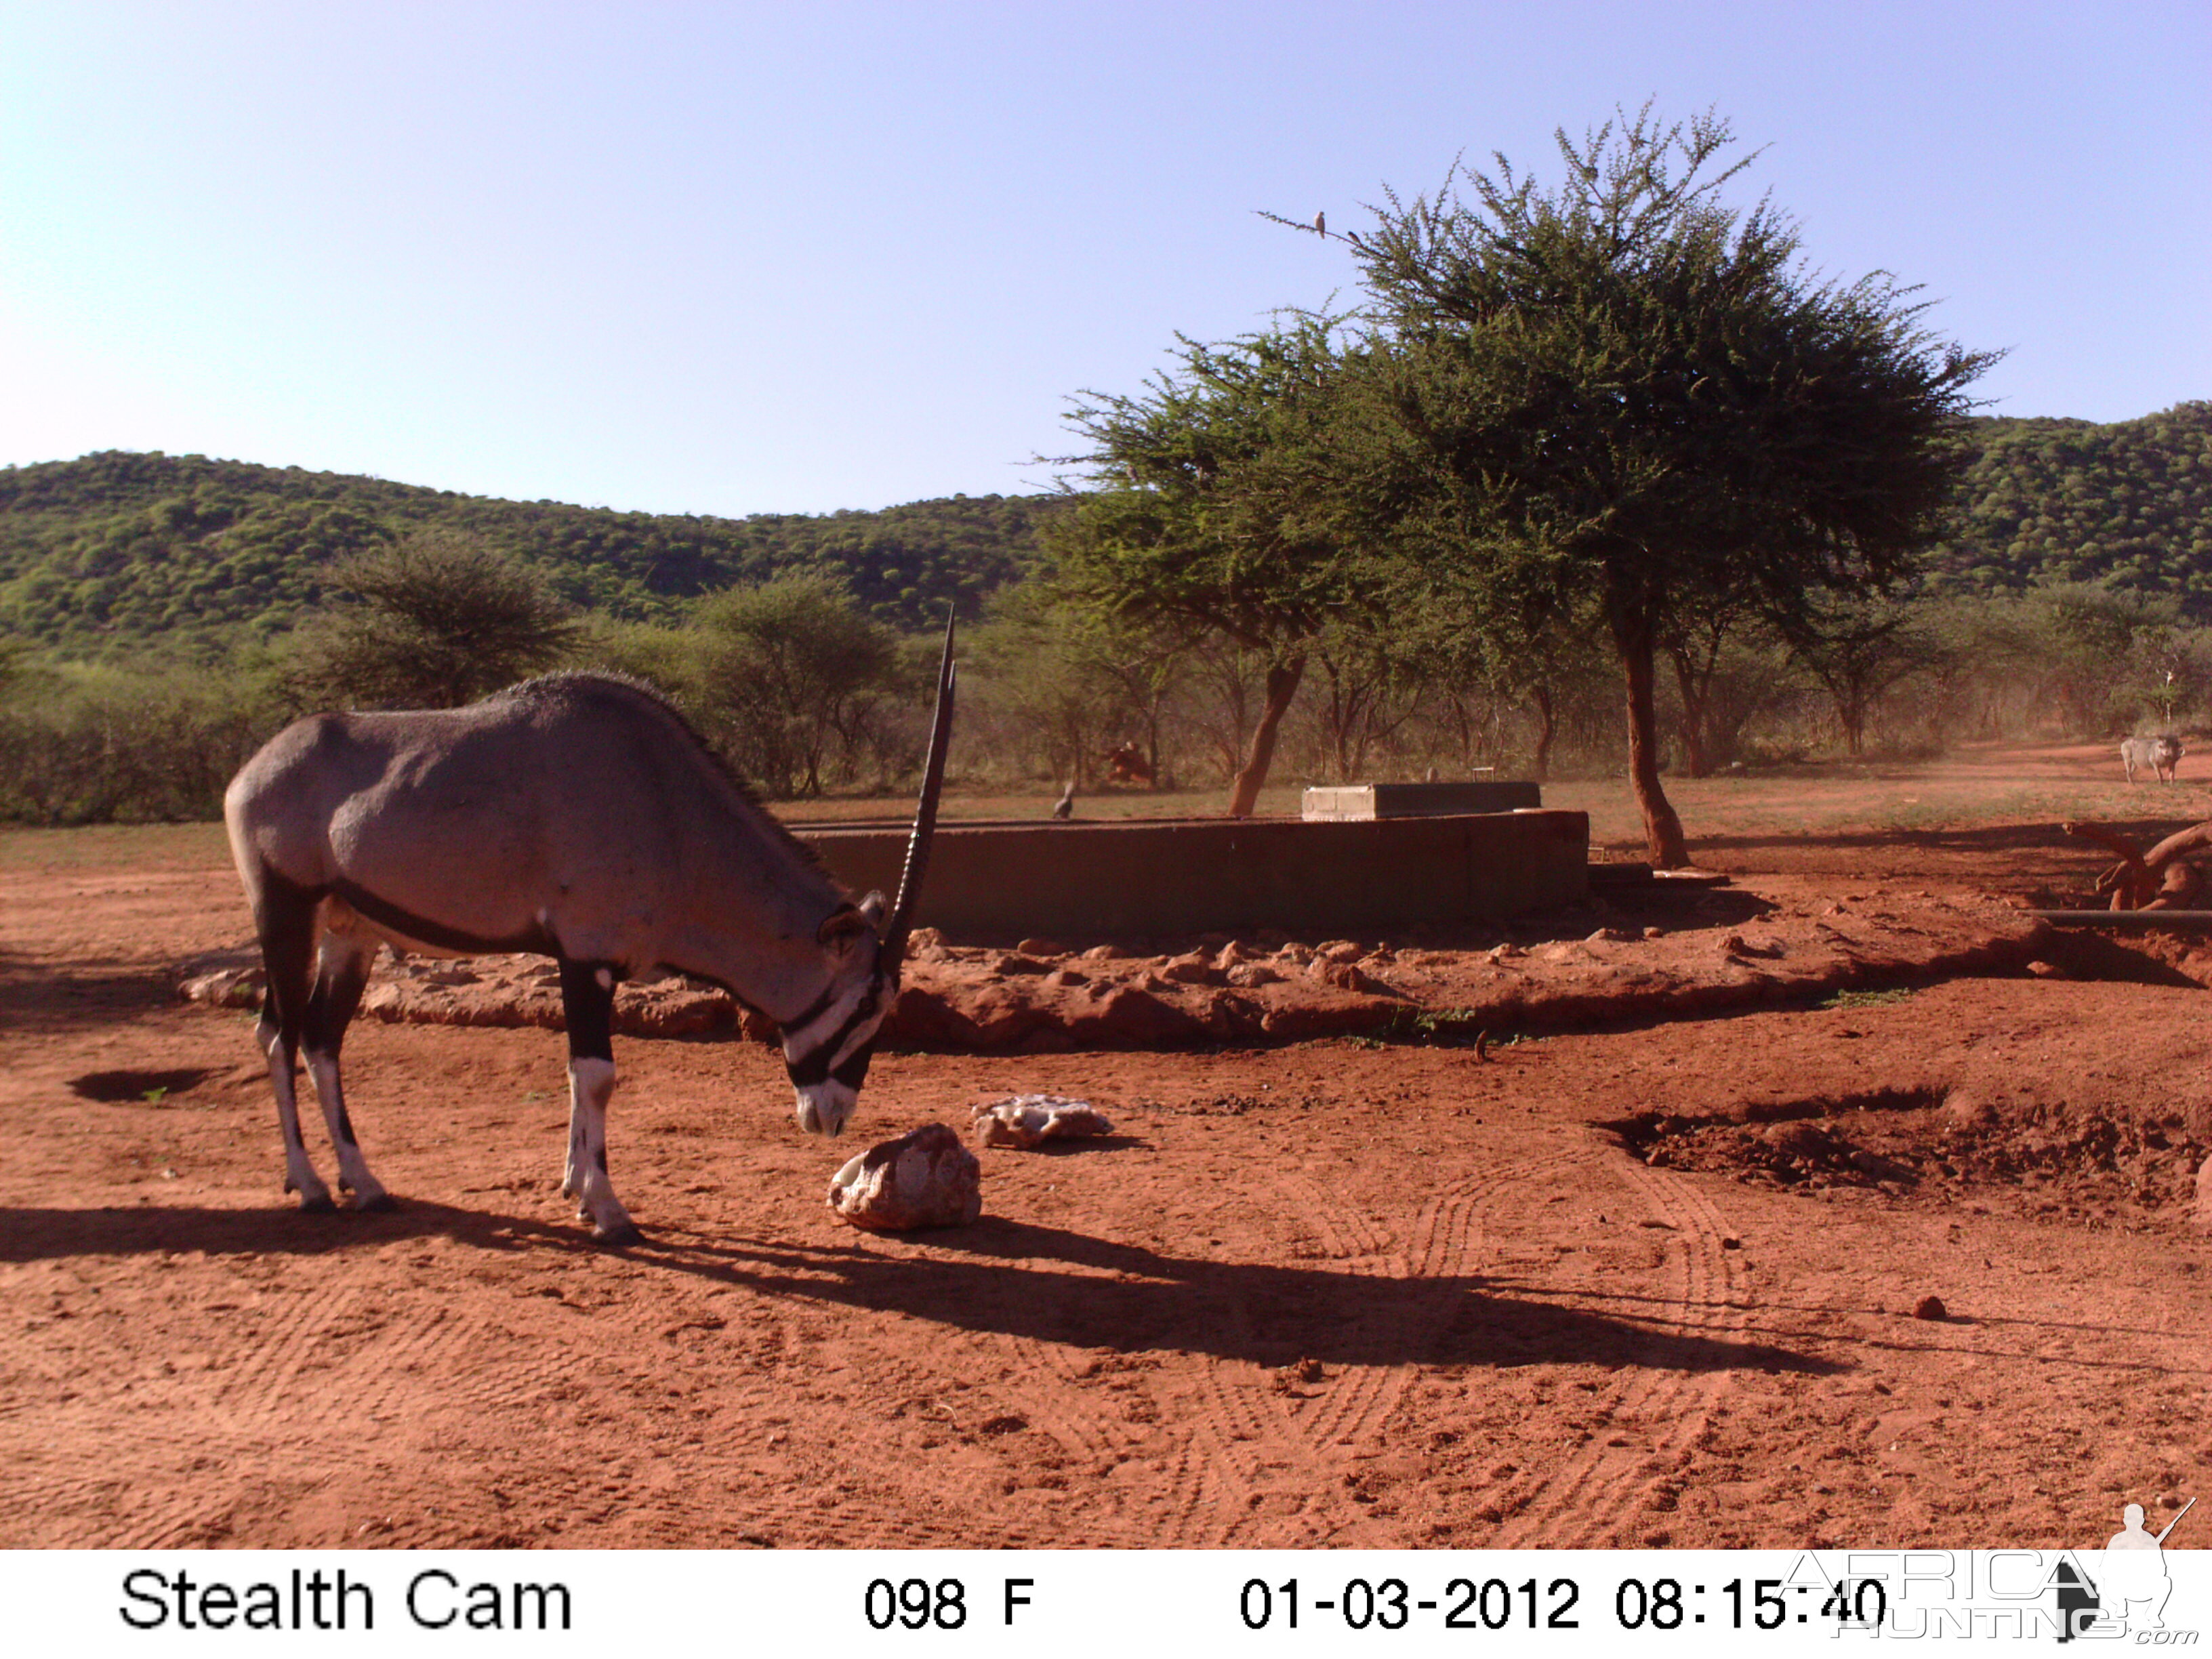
(2050, 500)
(100, 555)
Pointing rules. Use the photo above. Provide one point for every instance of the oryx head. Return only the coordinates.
(827, 1047)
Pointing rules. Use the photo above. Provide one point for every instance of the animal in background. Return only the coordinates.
(2163, 755)
(1126, 763)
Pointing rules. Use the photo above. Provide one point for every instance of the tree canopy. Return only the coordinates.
(792, 673)
(1220, 503)
(1622, 390)
(433, 621)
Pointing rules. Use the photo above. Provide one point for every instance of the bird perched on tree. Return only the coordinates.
(1065, 807)
(1321, 224)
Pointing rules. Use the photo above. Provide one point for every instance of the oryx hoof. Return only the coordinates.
(377, 1201)
(624, 1232)
(316, 1203)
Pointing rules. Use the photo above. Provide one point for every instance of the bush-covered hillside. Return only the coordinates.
(2050, 500)
(99, 554)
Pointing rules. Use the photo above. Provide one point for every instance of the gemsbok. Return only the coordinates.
(578, 816)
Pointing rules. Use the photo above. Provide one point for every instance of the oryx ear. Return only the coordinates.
(844, 924)
(873, 907)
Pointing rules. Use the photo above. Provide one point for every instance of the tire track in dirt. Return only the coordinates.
(1604, 1488)
(255, 1391)
(1235, 1446)
(759, 1383)
(436, 1345)
(134, 1502)
(76, 1502)
(1050, 1396)
(332, 1358)
(1353, 1411)
(137, 1498)
(71, 1512)
(1252, 1458)
(1262, 1431)
(1252, 1425)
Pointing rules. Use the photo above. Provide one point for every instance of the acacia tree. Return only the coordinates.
(1624, 392)
(1037, 678)
(429, 621)
(1700, 642)
(791, 675)
(1217, 502)
(1859, 648)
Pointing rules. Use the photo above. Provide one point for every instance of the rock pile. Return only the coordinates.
(1268, 989)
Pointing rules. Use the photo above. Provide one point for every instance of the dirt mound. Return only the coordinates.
(2088, 1120)
(1647, 954)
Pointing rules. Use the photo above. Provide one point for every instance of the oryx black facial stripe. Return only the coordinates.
(814, 1010)
(827, 1058)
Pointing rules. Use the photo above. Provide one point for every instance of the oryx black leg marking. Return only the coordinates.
(284, 919)
(339, 978)
(587, 1000)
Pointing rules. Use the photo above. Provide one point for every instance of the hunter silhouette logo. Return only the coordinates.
(2127, 1585)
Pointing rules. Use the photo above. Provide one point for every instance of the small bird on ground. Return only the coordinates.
(1065, 807)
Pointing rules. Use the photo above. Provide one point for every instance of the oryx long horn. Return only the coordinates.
(925, 812)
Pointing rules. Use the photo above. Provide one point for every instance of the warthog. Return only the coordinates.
(2161, 755)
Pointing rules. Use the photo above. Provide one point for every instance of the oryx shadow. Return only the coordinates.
(42, 1235)
(1004, 1277)
(51, 1000)
(1053, 1285)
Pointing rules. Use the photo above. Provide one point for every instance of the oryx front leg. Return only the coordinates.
(587, 999)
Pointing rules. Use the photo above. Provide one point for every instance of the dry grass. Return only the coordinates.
(2045, 783)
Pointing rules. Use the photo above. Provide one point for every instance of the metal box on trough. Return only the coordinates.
(1354, 802)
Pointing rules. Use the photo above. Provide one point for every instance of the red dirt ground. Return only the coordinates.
(1650, 1284)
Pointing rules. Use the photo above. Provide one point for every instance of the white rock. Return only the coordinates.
(1024, 1120)
(925, 1179)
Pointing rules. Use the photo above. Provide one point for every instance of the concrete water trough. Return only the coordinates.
(1083, 881)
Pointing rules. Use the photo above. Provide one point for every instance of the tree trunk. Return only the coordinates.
(1282, 686)
(1697, 692)
(1547, 729)
(1634, 634)
(1854, 711)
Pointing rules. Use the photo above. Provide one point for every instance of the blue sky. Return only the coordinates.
(742, 259)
